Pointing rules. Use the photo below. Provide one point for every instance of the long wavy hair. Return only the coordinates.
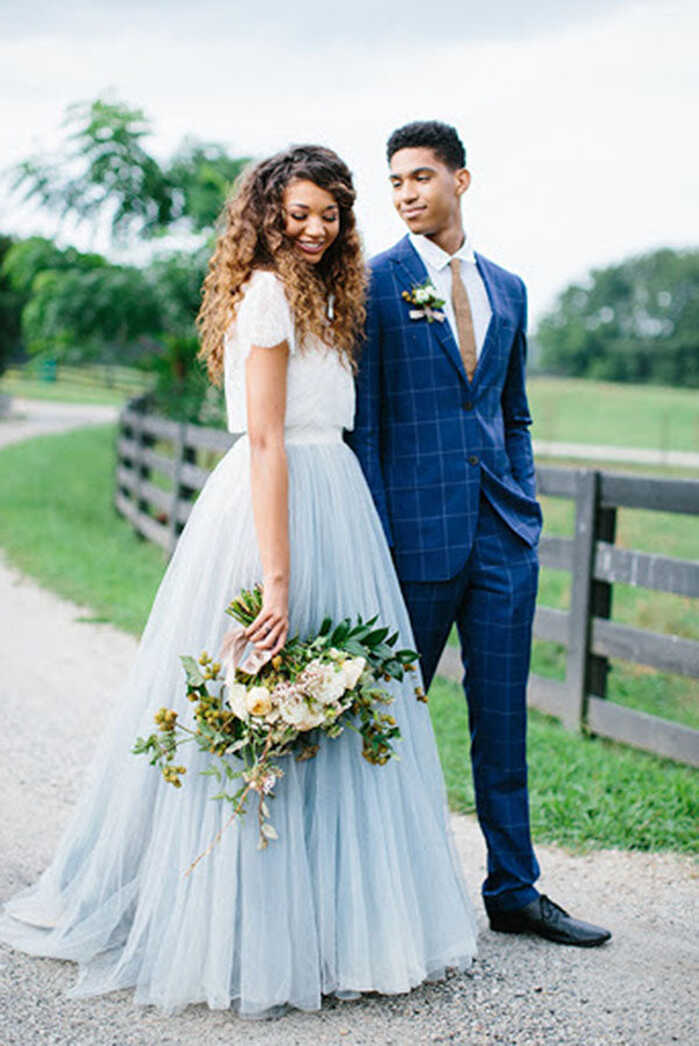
(252, 237)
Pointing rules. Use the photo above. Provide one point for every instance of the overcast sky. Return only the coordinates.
(579, 118)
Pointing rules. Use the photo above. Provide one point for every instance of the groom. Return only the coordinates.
(442, 434)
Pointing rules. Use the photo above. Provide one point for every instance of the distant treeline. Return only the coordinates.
(636, 321)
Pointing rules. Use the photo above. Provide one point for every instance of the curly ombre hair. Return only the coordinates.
(253, 237)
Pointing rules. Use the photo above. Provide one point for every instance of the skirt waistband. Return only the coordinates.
(329, 434)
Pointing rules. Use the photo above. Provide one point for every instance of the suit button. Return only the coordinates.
(473, 460)
(468, 405)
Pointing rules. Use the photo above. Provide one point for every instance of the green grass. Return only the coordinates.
(578, 411)
(586, 793)
(59, 391)
(93, 383)
(57, 524)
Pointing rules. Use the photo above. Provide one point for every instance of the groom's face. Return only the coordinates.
(426, 193)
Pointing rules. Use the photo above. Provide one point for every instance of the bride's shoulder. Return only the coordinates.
(262, 290)
(263, 316)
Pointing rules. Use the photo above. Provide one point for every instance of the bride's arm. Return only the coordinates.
(266, 406)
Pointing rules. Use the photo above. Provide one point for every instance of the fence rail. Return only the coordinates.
(162, 465)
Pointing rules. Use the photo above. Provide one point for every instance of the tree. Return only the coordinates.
(182, 389)
(11, 304)
(202, 176)
(78, 315)
(104, 170)
(636, 321)
(79, 306)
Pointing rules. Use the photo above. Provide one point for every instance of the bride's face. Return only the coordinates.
(312, 219)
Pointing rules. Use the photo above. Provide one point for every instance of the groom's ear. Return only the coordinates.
(462, 177)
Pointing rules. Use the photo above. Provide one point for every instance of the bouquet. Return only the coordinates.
(250, 716)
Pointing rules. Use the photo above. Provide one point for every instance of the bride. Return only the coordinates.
(362, 891)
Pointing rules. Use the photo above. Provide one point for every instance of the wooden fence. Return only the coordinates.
(158, 475)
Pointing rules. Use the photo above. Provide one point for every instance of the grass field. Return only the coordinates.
(564, 409)
(59, 392)
(57, 523)
(75, 384)
(578, 411)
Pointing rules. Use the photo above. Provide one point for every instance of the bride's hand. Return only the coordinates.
(271, 626)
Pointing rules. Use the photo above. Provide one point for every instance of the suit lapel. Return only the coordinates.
(409, 261)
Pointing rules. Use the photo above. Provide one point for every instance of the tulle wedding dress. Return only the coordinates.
(362, 890)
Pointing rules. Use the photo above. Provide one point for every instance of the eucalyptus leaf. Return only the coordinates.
(194, 676)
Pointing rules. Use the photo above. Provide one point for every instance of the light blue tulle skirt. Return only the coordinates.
(361, 892)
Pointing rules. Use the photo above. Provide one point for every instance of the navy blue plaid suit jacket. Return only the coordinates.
(429, 440)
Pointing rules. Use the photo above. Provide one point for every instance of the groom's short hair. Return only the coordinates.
(441, 138)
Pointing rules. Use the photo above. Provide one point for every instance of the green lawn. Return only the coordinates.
(91, 384)
(586, 793)
(57, 523)
(59, 391)
(578, 411)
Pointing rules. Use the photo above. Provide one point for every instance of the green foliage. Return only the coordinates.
(202, 175)
(102, 313)
(102, 168)
(635, 321)
(11, 302)
(104, 171)
(182, 389)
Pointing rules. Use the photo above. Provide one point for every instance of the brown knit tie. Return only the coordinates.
(464, 319)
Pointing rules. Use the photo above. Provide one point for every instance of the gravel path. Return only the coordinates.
(58, 670)
(29, 418)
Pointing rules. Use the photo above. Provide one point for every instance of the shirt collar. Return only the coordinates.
(433, 255)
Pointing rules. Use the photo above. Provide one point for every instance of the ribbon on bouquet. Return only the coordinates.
(233, 647)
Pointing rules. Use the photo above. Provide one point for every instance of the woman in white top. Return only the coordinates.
(362, 890)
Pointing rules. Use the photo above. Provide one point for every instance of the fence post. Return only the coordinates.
(581, 593)
(125, 430)
(179, 455)
(600, 600)
(143, 471)
(184, 454)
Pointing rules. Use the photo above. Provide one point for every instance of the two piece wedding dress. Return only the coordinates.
(362, 891)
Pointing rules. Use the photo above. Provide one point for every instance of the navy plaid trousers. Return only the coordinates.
(491, 600)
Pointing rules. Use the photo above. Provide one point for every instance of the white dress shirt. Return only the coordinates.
(437, 264)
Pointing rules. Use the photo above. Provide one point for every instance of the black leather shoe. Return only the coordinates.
(546, 919)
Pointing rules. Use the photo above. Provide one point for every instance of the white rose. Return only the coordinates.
(352, 670)
(237, 699)
(259, 700)
(332, 685)
(297, 714)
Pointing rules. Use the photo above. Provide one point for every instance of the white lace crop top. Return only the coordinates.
(320, 388)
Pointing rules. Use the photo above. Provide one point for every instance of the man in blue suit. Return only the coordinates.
(442, 434)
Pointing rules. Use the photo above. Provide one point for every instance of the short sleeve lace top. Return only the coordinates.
(320, 388)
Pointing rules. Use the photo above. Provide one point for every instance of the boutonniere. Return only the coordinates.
(427, 302)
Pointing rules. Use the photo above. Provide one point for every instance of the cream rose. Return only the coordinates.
(259, 700)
